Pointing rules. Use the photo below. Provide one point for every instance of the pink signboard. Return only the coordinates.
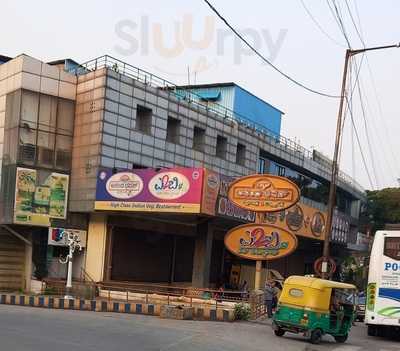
(148, 190)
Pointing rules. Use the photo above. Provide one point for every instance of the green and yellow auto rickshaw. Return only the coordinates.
(314, 307)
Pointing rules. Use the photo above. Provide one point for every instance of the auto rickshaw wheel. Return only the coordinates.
(341, 338)
(279, 332)
(316, 336)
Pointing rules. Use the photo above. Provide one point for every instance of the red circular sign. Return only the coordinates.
(318, 266)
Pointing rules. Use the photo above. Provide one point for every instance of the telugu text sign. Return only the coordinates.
(264, 193)
(260, 242)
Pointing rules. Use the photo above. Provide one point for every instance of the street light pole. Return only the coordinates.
(335, 167)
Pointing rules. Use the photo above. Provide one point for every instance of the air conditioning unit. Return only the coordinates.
(27, 153)
(63, 159)
(45, 156)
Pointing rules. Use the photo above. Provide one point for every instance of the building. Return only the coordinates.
(236, 102)
(125, 147)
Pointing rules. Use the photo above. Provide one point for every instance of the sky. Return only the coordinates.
(168, 37)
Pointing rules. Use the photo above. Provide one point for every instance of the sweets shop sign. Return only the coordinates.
(263, 194)
(260, 242)
(147, 190)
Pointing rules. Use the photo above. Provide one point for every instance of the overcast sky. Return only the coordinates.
(165, 37)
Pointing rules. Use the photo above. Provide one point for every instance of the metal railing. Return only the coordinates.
(169, 294)
(191, 97)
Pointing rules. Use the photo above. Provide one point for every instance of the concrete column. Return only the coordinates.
(202, 255)
(96, 246)
(28, 264)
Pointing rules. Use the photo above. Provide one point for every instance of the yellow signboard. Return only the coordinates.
(299, 219)
(260, 242)
(264, 193)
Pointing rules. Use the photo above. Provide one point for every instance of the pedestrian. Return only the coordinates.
(269, 294)
(245, 289)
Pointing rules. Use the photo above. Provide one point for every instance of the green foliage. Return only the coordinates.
(383, 207)
(242, 311)
(352, 270)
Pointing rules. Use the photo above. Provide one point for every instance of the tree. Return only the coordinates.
(383, 207)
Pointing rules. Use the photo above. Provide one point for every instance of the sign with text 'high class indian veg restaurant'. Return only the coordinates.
(148, 190)
(264, 193)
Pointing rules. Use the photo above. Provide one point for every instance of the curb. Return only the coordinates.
(206, 314)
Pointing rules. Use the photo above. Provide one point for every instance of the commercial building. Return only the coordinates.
(143, 166)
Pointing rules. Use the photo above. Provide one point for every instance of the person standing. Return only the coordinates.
(269, 294)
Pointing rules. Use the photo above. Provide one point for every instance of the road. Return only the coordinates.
(35, 329)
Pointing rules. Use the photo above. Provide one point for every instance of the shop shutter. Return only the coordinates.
(12, 262)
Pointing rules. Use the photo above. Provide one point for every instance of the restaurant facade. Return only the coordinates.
(141, 171)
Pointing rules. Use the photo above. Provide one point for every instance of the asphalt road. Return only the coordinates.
(36, 329)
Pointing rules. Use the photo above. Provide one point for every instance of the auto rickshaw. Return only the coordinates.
(314, 307)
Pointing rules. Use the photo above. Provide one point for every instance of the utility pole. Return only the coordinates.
(335, 167)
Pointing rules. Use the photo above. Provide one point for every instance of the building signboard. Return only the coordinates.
(215, 201)
(36, 204)
(264, 193)
(260, 242)
(299, 219)
(148, 190)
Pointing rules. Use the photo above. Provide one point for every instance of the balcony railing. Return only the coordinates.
(278, 141)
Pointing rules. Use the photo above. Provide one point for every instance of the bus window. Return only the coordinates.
(392, 248)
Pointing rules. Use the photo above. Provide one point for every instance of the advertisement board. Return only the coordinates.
(176, 190)
(301, 220)
(264, 193)
(215, 201)
(260, 242)
(36, 204)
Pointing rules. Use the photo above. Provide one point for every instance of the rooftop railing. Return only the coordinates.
(191, 97)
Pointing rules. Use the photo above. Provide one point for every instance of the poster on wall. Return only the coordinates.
(176, 190)
(36, 204)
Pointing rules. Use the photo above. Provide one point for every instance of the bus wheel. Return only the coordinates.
(279, 332)
(341, 338)
(372, 330)
(316, 336)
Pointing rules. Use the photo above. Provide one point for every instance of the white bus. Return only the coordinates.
(382, 314)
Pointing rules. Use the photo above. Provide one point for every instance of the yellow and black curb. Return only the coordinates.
(206, 314)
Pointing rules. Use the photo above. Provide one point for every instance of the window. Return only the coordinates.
(173, 130)
(222, 144)
(240, 154)
(47, 113)
(199, 138)
(281, 171)
(65, 119)
(143, 119)
(46, 129)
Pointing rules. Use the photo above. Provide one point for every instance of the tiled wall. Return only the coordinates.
(25, 72)
(106, 135)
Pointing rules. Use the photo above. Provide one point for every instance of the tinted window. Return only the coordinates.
(392, 248)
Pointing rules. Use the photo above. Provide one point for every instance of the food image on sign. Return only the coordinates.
(300, 219)
(264, 193)
(260, 242)
(36, 203)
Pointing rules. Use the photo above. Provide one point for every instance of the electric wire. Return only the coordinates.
(319, 26)
(263, 58)
(360, 35)
(359, 144)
